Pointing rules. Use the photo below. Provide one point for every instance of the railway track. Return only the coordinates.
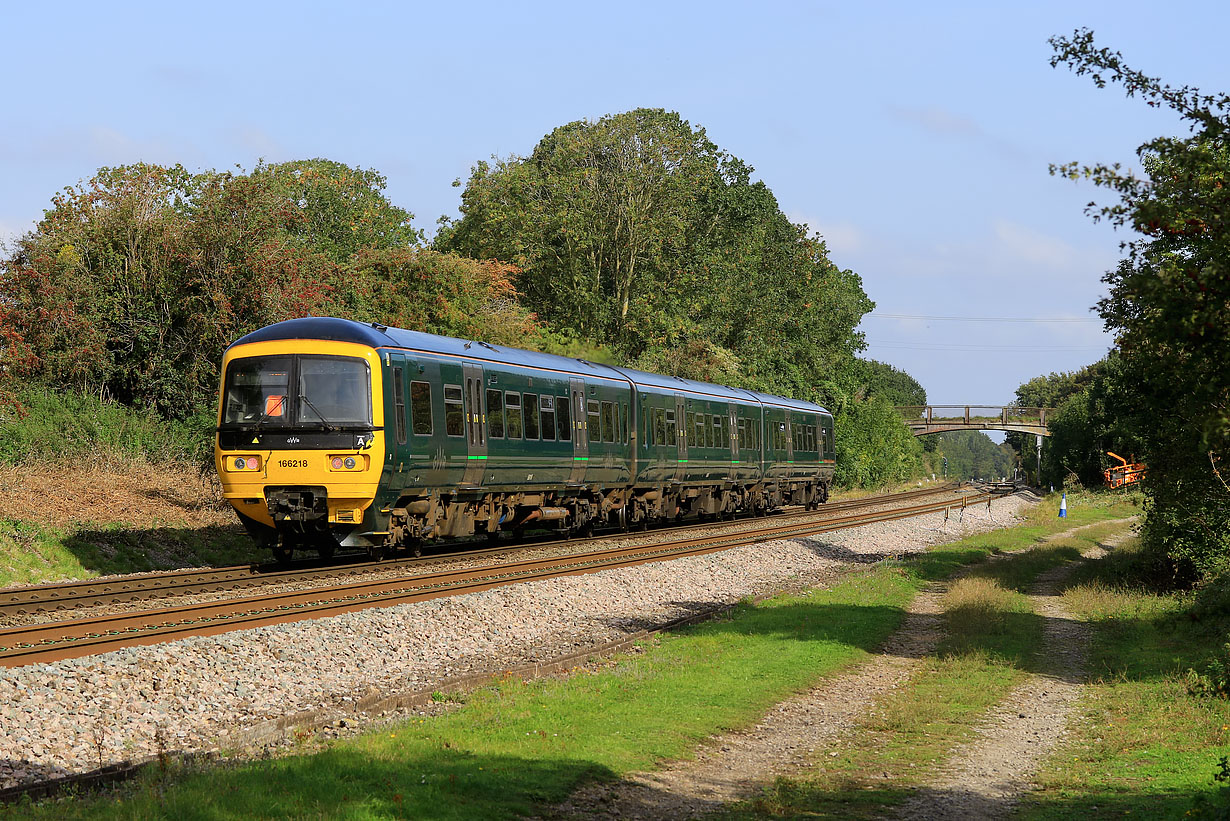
(21, 601)
(71, 639)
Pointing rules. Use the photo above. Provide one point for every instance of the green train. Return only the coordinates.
(333, 432)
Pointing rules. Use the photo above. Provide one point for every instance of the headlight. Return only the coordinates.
(343, 463)
(243, 464)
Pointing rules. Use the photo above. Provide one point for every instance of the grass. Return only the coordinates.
(68, 425)
(991, 643)
(32, 553)
(510, 749)
(1144, 746)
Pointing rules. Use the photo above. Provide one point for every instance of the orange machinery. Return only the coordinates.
(1124, 473)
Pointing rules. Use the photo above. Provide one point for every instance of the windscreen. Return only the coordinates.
(257, 390)
(335, 391)
(328, 391)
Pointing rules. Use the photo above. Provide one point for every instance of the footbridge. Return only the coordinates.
(927, 419)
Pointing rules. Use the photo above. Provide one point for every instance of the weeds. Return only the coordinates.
(1214, 682)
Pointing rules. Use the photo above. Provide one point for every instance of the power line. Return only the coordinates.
(982, 318)
(939, 346)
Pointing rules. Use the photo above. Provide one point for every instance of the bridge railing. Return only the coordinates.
(973, 414)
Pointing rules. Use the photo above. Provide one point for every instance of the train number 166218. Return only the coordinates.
(292, 463)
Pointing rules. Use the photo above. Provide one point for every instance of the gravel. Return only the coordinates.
(200, 694)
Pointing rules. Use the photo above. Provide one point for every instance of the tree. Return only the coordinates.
(638, 233)
(425, 290)
(133, 283)
(1169, 303)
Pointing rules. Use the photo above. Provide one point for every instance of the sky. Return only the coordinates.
(914, 137)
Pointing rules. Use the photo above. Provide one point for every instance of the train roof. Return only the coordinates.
(380, 336)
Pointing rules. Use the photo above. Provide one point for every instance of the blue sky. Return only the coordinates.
(914, 137)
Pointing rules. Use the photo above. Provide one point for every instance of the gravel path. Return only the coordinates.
(981, 780)
(733, 766)
(988, 776)
(200, 694)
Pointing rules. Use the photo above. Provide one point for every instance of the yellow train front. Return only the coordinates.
(300, 438)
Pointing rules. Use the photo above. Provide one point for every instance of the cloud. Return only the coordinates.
(93, 146)
(10, 230)
(842, 237)
(1033, 246)
(947, 124)
(938, 120)
(257, 142)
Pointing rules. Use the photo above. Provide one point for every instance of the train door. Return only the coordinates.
(790, 443)
(732, 416)
(580, 430)
(476, 426)
(681, 437)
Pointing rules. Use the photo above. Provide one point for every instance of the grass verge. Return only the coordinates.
(32, 553)
(1146, 745)
(515, 747)
(992, 637)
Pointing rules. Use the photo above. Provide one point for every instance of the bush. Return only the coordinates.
(69, 425)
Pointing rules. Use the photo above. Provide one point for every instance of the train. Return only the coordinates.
(336, 433)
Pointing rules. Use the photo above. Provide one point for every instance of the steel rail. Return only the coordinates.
(19, 601)
(61, 640)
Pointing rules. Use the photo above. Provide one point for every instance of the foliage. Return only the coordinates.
(895, 385)
(1091, 406)
(445, 294)
(1169, 302)
(67, 425)
(638, 233)
(874, 447)
(971, 455)
(1214, 682)
(133, 283)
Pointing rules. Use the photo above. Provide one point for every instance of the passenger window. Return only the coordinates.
(671, 438)
(399, 407)
(454, 412)
(593, 430)
(547, 415)
(563, 420)
(512, 411)
(495, 414)
(531, 416)
(716, 429)
(623, 420)
(420, 407)
(698, 430)
(608, 421)
(741, 432)
(659, 426)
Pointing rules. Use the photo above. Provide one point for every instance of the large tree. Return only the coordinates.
(134, 282)
(1169, 304)
(637, 232)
